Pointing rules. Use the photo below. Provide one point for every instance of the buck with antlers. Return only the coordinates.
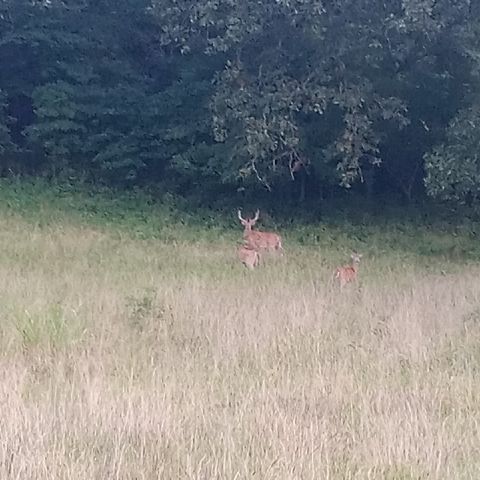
(348, 273)
(259, 240)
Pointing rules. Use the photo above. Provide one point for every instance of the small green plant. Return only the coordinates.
(48, 328)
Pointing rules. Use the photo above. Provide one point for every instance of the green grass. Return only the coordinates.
(134, 345)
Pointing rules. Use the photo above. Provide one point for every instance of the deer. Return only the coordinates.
(259, 240)
(248, 256)
(348, 273)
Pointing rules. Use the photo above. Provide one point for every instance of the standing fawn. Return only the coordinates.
(259, 240)
(348, 273)
(248, 256)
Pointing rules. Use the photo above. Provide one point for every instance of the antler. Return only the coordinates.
(257, 215)
(240, 215)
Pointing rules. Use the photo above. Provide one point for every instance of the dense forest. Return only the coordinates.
(305, 97)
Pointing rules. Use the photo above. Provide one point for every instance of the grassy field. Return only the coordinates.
(134, 346)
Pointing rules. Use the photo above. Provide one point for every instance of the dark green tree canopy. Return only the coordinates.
(197, 93)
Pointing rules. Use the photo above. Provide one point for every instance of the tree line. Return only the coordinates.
(208, 95)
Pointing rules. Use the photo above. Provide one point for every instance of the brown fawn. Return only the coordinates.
(248, 256)
(348, 273)
(259, 240)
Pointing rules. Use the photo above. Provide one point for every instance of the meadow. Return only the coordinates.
(133, 345)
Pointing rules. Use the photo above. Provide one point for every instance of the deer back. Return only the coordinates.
(346, 274)
(263, 240)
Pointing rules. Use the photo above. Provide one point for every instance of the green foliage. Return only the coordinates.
(5, 140)
(453, 168)
(293, 59)
(99, 114)
(195, 95)
(98, 131)
(48, 328)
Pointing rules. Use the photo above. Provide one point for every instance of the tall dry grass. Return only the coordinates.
(131, 359)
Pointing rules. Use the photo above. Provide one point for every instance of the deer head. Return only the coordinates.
(355, 257)
(248, 223)
(248, 256)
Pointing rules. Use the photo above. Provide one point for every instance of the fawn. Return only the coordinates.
(248, 256)
(348, 273)
(259, 240)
